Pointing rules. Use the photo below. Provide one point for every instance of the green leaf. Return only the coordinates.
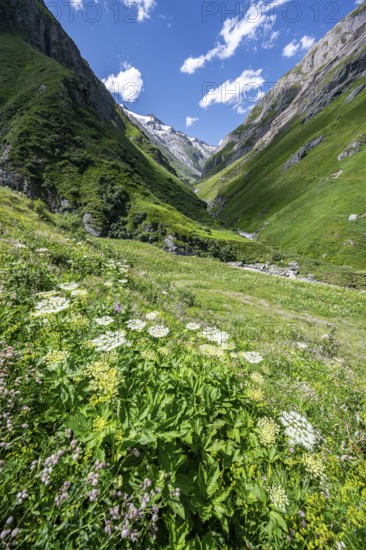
(278, 520)
(177, 508)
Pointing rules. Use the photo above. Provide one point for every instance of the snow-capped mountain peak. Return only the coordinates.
(190, 151)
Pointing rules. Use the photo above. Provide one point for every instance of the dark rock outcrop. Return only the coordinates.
(302, 152)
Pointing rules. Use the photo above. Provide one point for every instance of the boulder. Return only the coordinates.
(89, 225)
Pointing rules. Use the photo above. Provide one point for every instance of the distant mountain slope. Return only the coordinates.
(329, 67)
(63, 138)
(187, 154)
(299, 182)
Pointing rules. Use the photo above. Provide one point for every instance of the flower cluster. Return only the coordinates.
(268, 430)
(48, 466)
(69, 286)
(211, 351)
(251, 356)
(149, 355)
(104, 321)
(298, 430)
(104, 378)
(93, 479)
(131, 518)
(158, 331)
(257, 378)
(152, 315)
(50, 306)
(214, 334)
(56, 357)
(278, 497)
(136, 324)
(314, 465)
(193, 326)
(110, 341)
(256, 394)
(64, 495)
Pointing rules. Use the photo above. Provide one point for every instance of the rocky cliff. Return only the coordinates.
(327, 70)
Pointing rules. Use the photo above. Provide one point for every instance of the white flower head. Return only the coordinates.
(110, 341)
(257, 378)
(152, 316)
(214, 334)
(211, 351)
(278, 497)
(302, 345)
(158, 331)
(50, 306)
(104, 321)
(251, 356)
(136, 324)
(69, 286)
(193, 326)
(299, 430)
(79, 293)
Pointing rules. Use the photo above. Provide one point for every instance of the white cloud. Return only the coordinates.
(271, 41)
(307, 42)
(190, 120)
(126, 85)
(247, 87)
(291, 49)
(241, 110)
(191, 64)
(294, 47)
(144, 8)
(77, 4)
(358, 2)
(233, 32)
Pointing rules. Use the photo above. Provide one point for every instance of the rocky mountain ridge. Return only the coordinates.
(325, 72)
(190, 151)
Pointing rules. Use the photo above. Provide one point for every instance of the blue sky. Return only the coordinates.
(201, 63)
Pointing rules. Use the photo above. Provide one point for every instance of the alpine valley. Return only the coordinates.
(182, 326)
(186, 154)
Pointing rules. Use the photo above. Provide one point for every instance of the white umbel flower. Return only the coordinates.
(251, 356)
(136, 324)
(69, 286)
(104, 321)
(50, 306)
(214, 334)
(278, 497)
(158, 331)
(152, 316)
(299, 430)
(193, 326)
(110, 341)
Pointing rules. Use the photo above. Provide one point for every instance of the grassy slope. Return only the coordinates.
(193, 416)
(232, 297)
(305, 207)
(64, 147)
(66, 151)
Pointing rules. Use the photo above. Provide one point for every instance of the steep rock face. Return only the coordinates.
(43, 32)
(329, 68)
(190, 151)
